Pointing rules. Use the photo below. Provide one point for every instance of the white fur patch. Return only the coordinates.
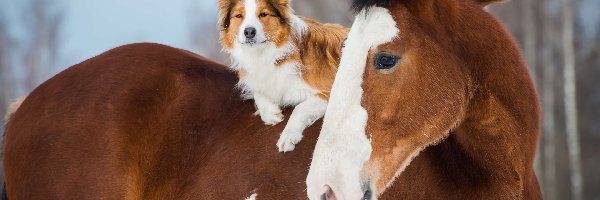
(252, 197)
(343, 147)
(299, 27)
(12, 108)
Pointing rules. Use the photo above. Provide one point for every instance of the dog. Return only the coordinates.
(282, 60)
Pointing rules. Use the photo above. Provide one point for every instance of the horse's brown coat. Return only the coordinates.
(146, 121)
(462, 80)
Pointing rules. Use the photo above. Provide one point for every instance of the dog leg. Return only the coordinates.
(304, 115)
(269, 112)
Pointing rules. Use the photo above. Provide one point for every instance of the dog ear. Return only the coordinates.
(284, 3)
(282, 9)
(225, 8)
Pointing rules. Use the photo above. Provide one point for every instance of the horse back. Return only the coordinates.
(146, 121)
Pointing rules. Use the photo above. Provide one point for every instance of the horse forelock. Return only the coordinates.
(358, 5)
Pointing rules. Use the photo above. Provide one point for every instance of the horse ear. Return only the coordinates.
(225, 8)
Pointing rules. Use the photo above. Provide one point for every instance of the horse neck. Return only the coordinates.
(501, 126)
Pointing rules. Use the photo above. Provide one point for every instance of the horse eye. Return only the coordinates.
(263, 15)
(238, 16)
(385, 61)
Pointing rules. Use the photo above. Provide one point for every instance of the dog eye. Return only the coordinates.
(238, 16)
(263, 15)
(385, 61)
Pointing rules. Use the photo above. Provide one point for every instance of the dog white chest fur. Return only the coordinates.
(273, 85)
(282, 85)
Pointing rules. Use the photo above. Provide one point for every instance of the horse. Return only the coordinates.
(147, 121)
(432, 100)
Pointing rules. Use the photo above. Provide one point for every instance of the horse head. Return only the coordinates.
(412, 73)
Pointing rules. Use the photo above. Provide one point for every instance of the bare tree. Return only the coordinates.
(325, 11)
(529, 39)
(5, 71)
(529, 29)
(548, 105)
(5, 75)
(43, 20)
(204, 31)
(570, 100)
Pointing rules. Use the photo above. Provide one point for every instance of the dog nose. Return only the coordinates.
(250, 32)
(368, 195)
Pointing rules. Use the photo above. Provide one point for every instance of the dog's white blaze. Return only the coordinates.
(251, 20)
(343, 146)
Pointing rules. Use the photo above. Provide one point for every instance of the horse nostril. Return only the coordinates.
(328, 195)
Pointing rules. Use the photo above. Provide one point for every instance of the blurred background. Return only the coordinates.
(559, 38)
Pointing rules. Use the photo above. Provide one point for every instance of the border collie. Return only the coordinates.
(283, 60)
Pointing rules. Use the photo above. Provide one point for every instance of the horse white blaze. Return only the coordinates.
(252, 197)
(343, 146)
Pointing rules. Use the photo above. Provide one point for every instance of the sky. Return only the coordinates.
(93, 26)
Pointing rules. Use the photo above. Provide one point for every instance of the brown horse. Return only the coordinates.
(150, 122)
(146, 121)
(432, 100)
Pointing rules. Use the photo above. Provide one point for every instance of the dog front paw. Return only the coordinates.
(271, 117)
(288, 140)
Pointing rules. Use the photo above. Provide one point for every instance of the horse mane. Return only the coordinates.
(358, 5)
